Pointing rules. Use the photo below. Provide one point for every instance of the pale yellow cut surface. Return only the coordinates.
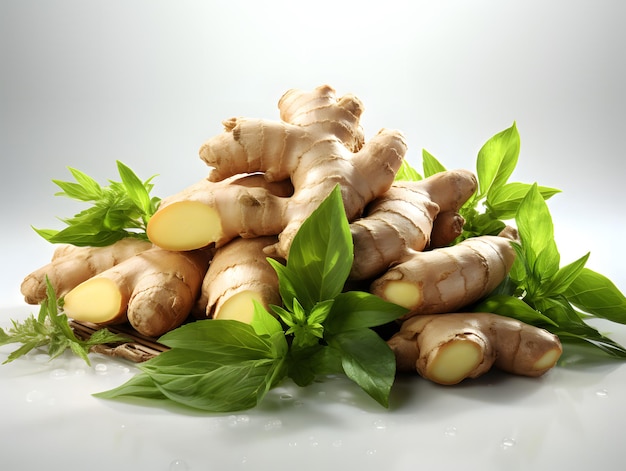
(96, 300)
(239, 307)
(403, 293)
(454, 361)
(186, 225)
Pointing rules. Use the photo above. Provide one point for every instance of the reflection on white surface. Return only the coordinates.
(496, 422)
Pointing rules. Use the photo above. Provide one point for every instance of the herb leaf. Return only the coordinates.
(119, 210)
(52, 329)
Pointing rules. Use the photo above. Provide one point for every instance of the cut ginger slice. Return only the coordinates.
(96, 300)
(185, 225)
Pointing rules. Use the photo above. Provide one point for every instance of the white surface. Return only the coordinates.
(85, 83)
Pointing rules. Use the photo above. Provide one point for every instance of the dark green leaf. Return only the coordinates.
(367, 360)
(321, 254)
(513, 307)
(356, 310)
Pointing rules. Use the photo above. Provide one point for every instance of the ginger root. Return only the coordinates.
(449, 278)
(154, 291)
(448, 348)
(317, 144)
(401, 221)
(71, 265)
(239, 274)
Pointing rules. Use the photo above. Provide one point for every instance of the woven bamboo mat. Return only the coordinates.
(138, 349)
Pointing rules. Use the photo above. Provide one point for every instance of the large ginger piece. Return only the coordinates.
(449, 278)
(239, 274)
(154, 291)
(317, 144)
(400, 222)
(71, 265)
(448, 348)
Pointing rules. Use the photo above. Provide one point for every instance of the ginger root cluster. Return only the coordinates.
(208, 244)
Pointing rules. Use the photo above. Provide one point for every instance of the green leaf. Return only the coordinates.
(357, 310)
(536, 231)
(516, 308)
(563, 278)
(367, 360)
(407, 173)
(320, 256)
(431, 164)
(134, 187)
(595, 294)
(195, 379)
(305, 364)
(504, 201)
(497, 160)
(139, 386)
(224, 340)
(263, 322)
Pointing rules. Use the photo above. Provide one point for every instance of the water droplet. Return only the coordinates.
(58, 373)
(34, 396)
(380, 425)
(179, 465)
(337, 444)
(243, 419)
(371, 452)
(274, 424)
(450, 431)
(293, 444)
(507, 443)
(101, 368)
(602, 393)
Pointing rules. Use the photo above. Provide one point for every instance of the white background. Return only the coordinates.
(83, 83)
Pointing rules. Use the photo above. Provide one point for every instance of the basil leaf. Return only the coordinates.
(516, 308)
(367, 360)
(139, 386)
(321, 254)
(134, 187)
(504, 201)
(226, 339)
(596, 294)
(407, 173)
(431, 164)
(356, 310)
(194, 379)
(563, 278)
(496, 160)
(305, 364)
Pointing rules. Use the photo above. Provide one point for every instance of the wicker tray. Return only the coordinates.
(138, 349)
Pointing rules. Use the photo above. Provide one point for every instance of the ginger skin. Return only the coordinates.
(71, 265)
(449, 278)
(317, 144)
(239, 274)
(448, 348)
(154, 291)
(400, 222)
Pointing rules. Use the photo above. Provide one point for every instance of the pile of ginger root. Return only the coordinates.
(208, 245)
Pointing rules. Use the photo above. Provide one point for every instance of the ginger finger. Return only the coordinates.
(448, 278)
(448, 348)
(317, 144)
(215, 212)
(154, 291)
(71, 265)
(401, 220)
(238, 275)
(447, 226)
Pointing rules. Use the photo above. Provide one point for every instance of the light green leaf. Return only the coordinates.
(497, 160)
(504, 201)
(563, 278)
(134, 187)
(430, 164)
(407, 173)
(595, 294)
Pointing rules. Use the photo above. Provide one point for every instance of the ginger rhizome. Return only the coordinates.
(317, 144)
(154, 291)
(448, 348)
(71, 265)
